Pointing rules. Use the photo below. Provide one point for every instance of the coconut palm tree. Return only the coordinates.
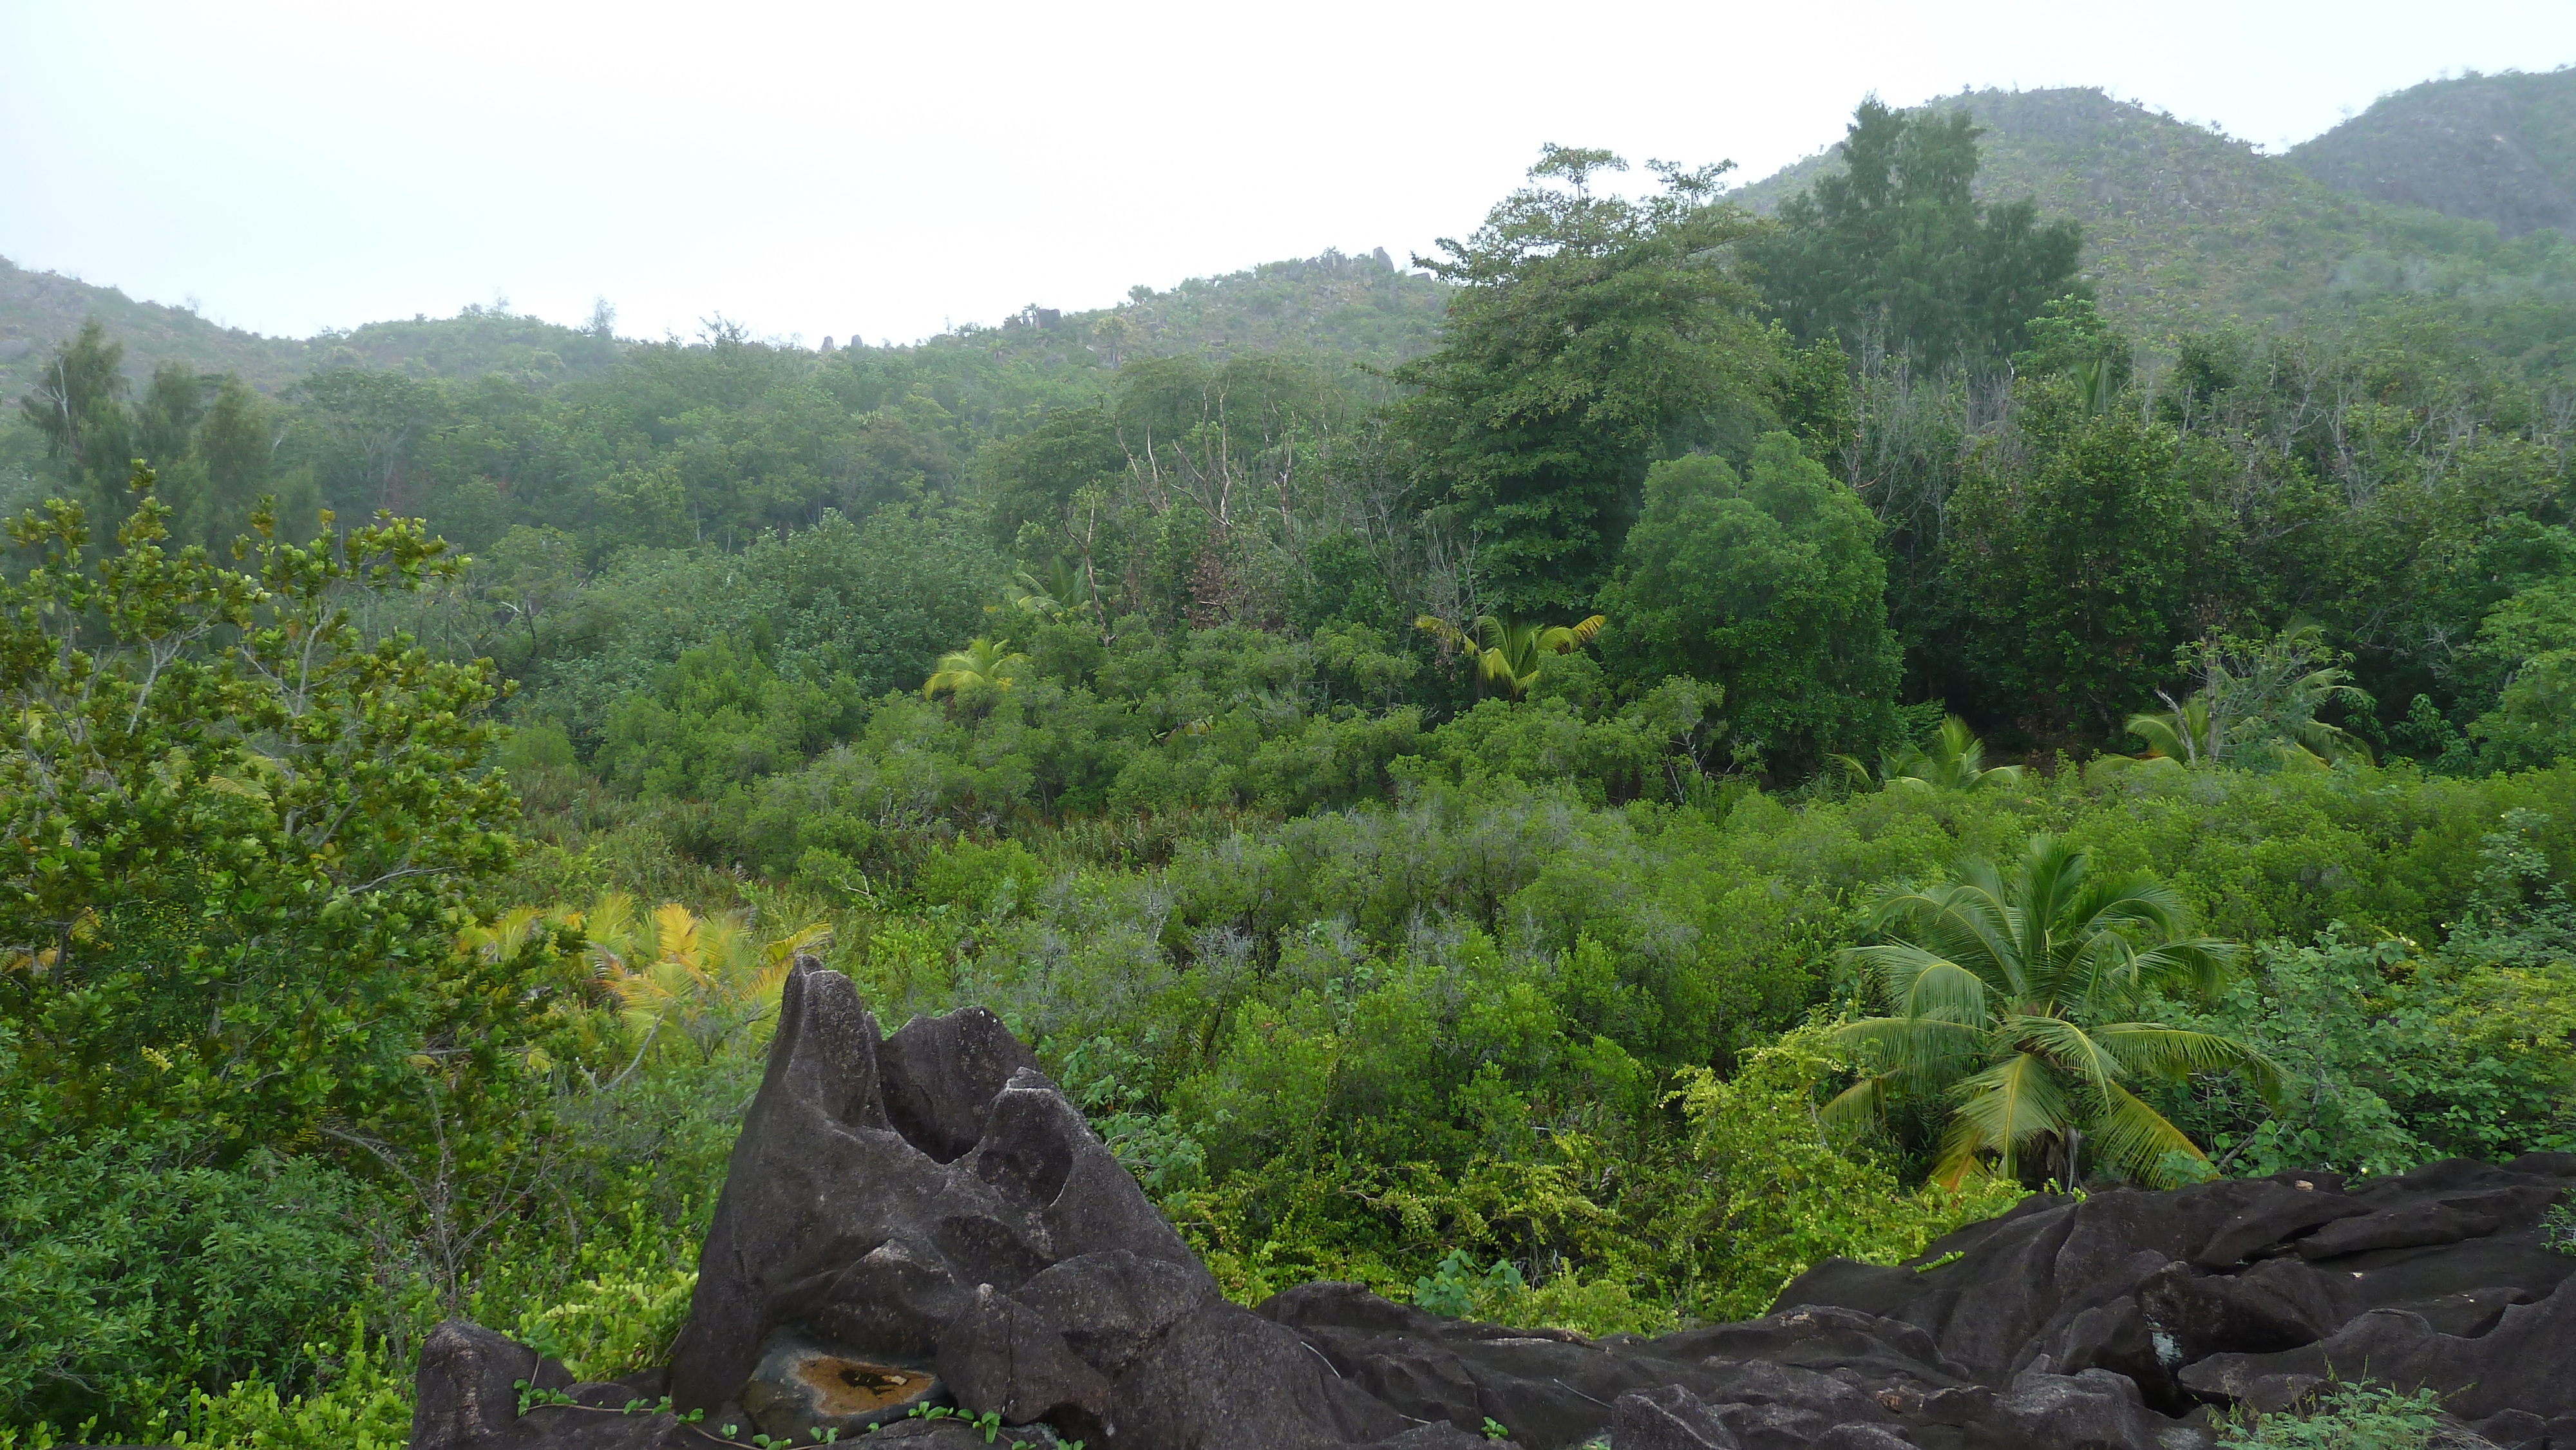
(2016, 1000)
(982, 662)
(1953, 760)
(1052, 595)
(2257, 705)
(1511, 655)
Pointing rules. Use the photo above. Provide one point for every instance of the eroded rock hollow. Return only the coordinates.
(921, 1239)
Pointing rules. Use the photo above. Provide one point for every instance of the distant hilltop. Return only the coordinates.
(2186, 226)
(2453, 186)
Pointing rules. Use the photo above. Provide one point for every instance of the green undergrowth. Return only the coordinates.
(2343, 1416)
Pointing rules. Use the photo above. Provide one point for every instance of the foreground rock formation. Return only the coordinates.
(921, 1240)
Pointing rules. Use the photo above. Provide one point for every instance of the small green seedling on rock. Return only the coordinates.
(2558, 1227)
(531, 1396)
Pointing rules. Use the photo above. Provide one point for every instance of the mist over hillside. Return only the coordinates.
(39, 309)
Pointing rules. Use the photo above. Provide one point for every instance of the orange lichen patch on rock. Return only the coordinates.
(856, 1387)
(802, 1387)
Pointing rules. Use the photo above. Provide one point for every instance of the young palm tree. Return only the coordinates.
(982, 662)
(2258, 705)
(2016, 997)
(1512, 655)
(1954, 759)
(706, 977)
(1049, 596)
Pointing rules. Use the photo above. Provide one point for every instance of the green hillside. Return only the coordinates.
(1360, 309)
(2498, 149)
(39, 309)
(2185, 227)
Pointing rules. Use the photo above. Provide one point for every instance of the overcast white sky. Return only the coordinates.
(886, 169)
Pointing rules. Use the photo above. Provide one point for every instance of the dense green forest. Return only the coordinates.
(1566, 782)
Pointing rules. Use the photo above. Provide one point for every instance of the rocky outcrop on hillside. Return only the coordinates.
(921, 1240)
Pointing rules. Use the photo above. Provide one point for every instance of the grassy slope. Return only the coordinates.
(2185, 227)
(2498, 149)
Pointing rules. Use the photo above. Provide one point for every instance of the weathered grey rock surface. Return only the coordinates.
(922, 1221)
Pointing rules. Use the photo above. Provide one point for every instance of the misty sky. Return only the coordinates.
(886, 170)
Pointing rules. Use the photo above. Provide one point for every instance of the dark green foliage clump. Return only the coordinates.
(134, 1270)
(1590, 335)
(1770, 585)
(1897, 254)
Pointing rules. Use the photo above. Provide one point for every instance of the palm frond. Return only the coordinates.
(1961, 1142)
(1910, 1051)
(1943, 990)
(1859, 1105)
(2050, 877)
(2065, 1045)
(2127, 898)
(2163, 741)
(2133, 1138)
(982, 662)
(1442, 630)
(2013, 1103)
(2197, 965)
(1957, 920)
(1895, 967)
(615, 933)
(1581, 631)
(2152, 1049)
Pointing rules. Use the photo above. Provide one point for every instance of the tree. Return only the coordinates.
(2070, 339)
(1508, 654)
(236, 444)
(2064, 564)
(1897, 250)
(705, 978)
(2530, 640)
(1954, 759)
(1590, 335)
(529, 573)
(982, 663)
(2258, 705)
(78, 407)
(372, 423)
(1064, 589)
(1770, 584)
(2011, 999)
(167, 419)
(241, 834)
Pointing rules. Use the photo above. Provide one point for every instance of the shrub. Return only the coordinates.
(1775, 1196)
(136, 1274)
(2343, 1417)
